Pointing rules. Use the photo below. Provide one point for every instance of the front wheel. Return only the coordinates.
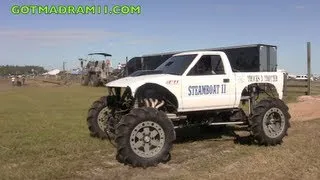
(269, 121)
(144, 137)
(100, 121)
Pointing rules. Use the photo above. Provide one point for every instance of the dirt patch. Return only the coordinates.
(41, 83)
(307, 108)
(5, 84)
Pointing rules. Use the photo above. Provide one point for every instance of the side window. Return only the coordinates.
(217, 64)
(208, 65)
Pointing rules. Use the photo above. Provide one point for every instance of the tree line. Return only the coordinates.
(19, 70)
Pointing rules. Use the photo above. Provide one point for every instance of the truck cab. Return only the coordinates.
(199, 80)
(208, 82)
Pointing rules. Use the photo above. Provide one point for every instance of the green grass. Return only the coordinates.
(43, 128)
(44, 135)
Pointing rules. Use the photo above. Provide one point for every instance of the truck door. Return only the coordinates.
(208, 85)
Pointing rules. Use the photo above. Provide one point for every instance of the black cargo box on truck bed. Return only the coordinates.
(246, 58)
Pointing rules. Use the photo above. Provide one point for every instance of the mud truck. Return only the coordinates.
(141, 113)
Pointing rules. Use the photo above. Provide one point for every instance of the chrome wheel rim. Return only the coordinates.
(147, 139)
(103, 118)
(273, 122)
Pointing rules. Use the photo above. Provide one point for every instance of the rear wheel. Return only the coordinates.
(94, 80)
(144, 137)
(269, 121)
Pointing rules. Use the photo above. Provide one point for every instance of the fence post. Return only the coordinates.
(285, 84)
(309, 67)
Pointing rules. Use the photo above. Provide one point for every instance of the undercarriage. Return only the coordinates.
(143, 124)
(121, 102)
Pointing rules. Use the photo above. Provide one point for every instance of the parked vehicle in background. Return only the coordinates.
(303, 77)
(98, 72)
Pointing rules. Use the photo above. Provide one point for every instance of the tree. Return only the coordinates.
(10, 69)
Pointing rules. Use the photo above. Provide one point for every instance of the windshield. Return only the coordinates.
(176, 65)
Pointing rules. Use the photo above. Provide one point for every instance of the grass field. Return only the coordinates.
(43, 135)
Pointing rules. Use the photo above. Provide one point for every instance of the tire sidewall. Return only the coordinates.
(85, 80)
(98, 106)
(161, 119)
(96, 119)
(94, 80)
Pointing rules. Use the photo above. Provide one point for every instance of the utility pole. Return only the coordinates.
(309, 67)
(64, 63)
(126, 67)
(142, 63)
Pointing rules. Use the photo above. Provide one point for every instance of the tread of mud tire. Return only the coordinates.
(128, 122)
(92, 117)
(85, 80)
(256, 121)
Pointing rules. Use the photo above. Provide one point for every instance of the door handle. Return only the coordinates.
(226, 80)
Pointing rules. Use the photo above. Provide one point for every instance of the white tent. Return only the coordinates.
(52, 72)
(281, 70)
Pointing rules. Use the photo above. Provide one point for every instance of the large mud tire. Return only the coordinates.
(144, 138)
(269, 121)
(85, 80)
(98, 121)
(94, 80)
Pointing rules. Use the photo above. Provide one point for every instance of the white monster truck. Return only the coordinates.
(142, 111)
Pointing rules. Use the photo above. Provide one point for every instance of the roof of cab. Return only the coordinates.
(209, 49)
(195, 52)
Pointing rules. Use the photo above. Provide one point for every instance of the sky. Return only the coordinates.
(162, 26)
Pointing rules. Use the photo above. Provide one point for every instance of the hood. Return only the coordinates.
(136, 81)
(145, 72)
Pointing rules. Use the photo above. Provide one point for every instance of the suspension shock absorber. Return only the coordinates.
(252, 99)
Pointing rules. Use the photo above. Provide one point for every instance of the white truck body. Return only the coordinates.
(141, 112)
(205, 92)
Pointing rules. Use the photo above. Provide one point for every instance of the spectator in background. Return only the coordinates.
(13, 79)
(119, 66)
(103, 66)
(23, 79)
(18, 82)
